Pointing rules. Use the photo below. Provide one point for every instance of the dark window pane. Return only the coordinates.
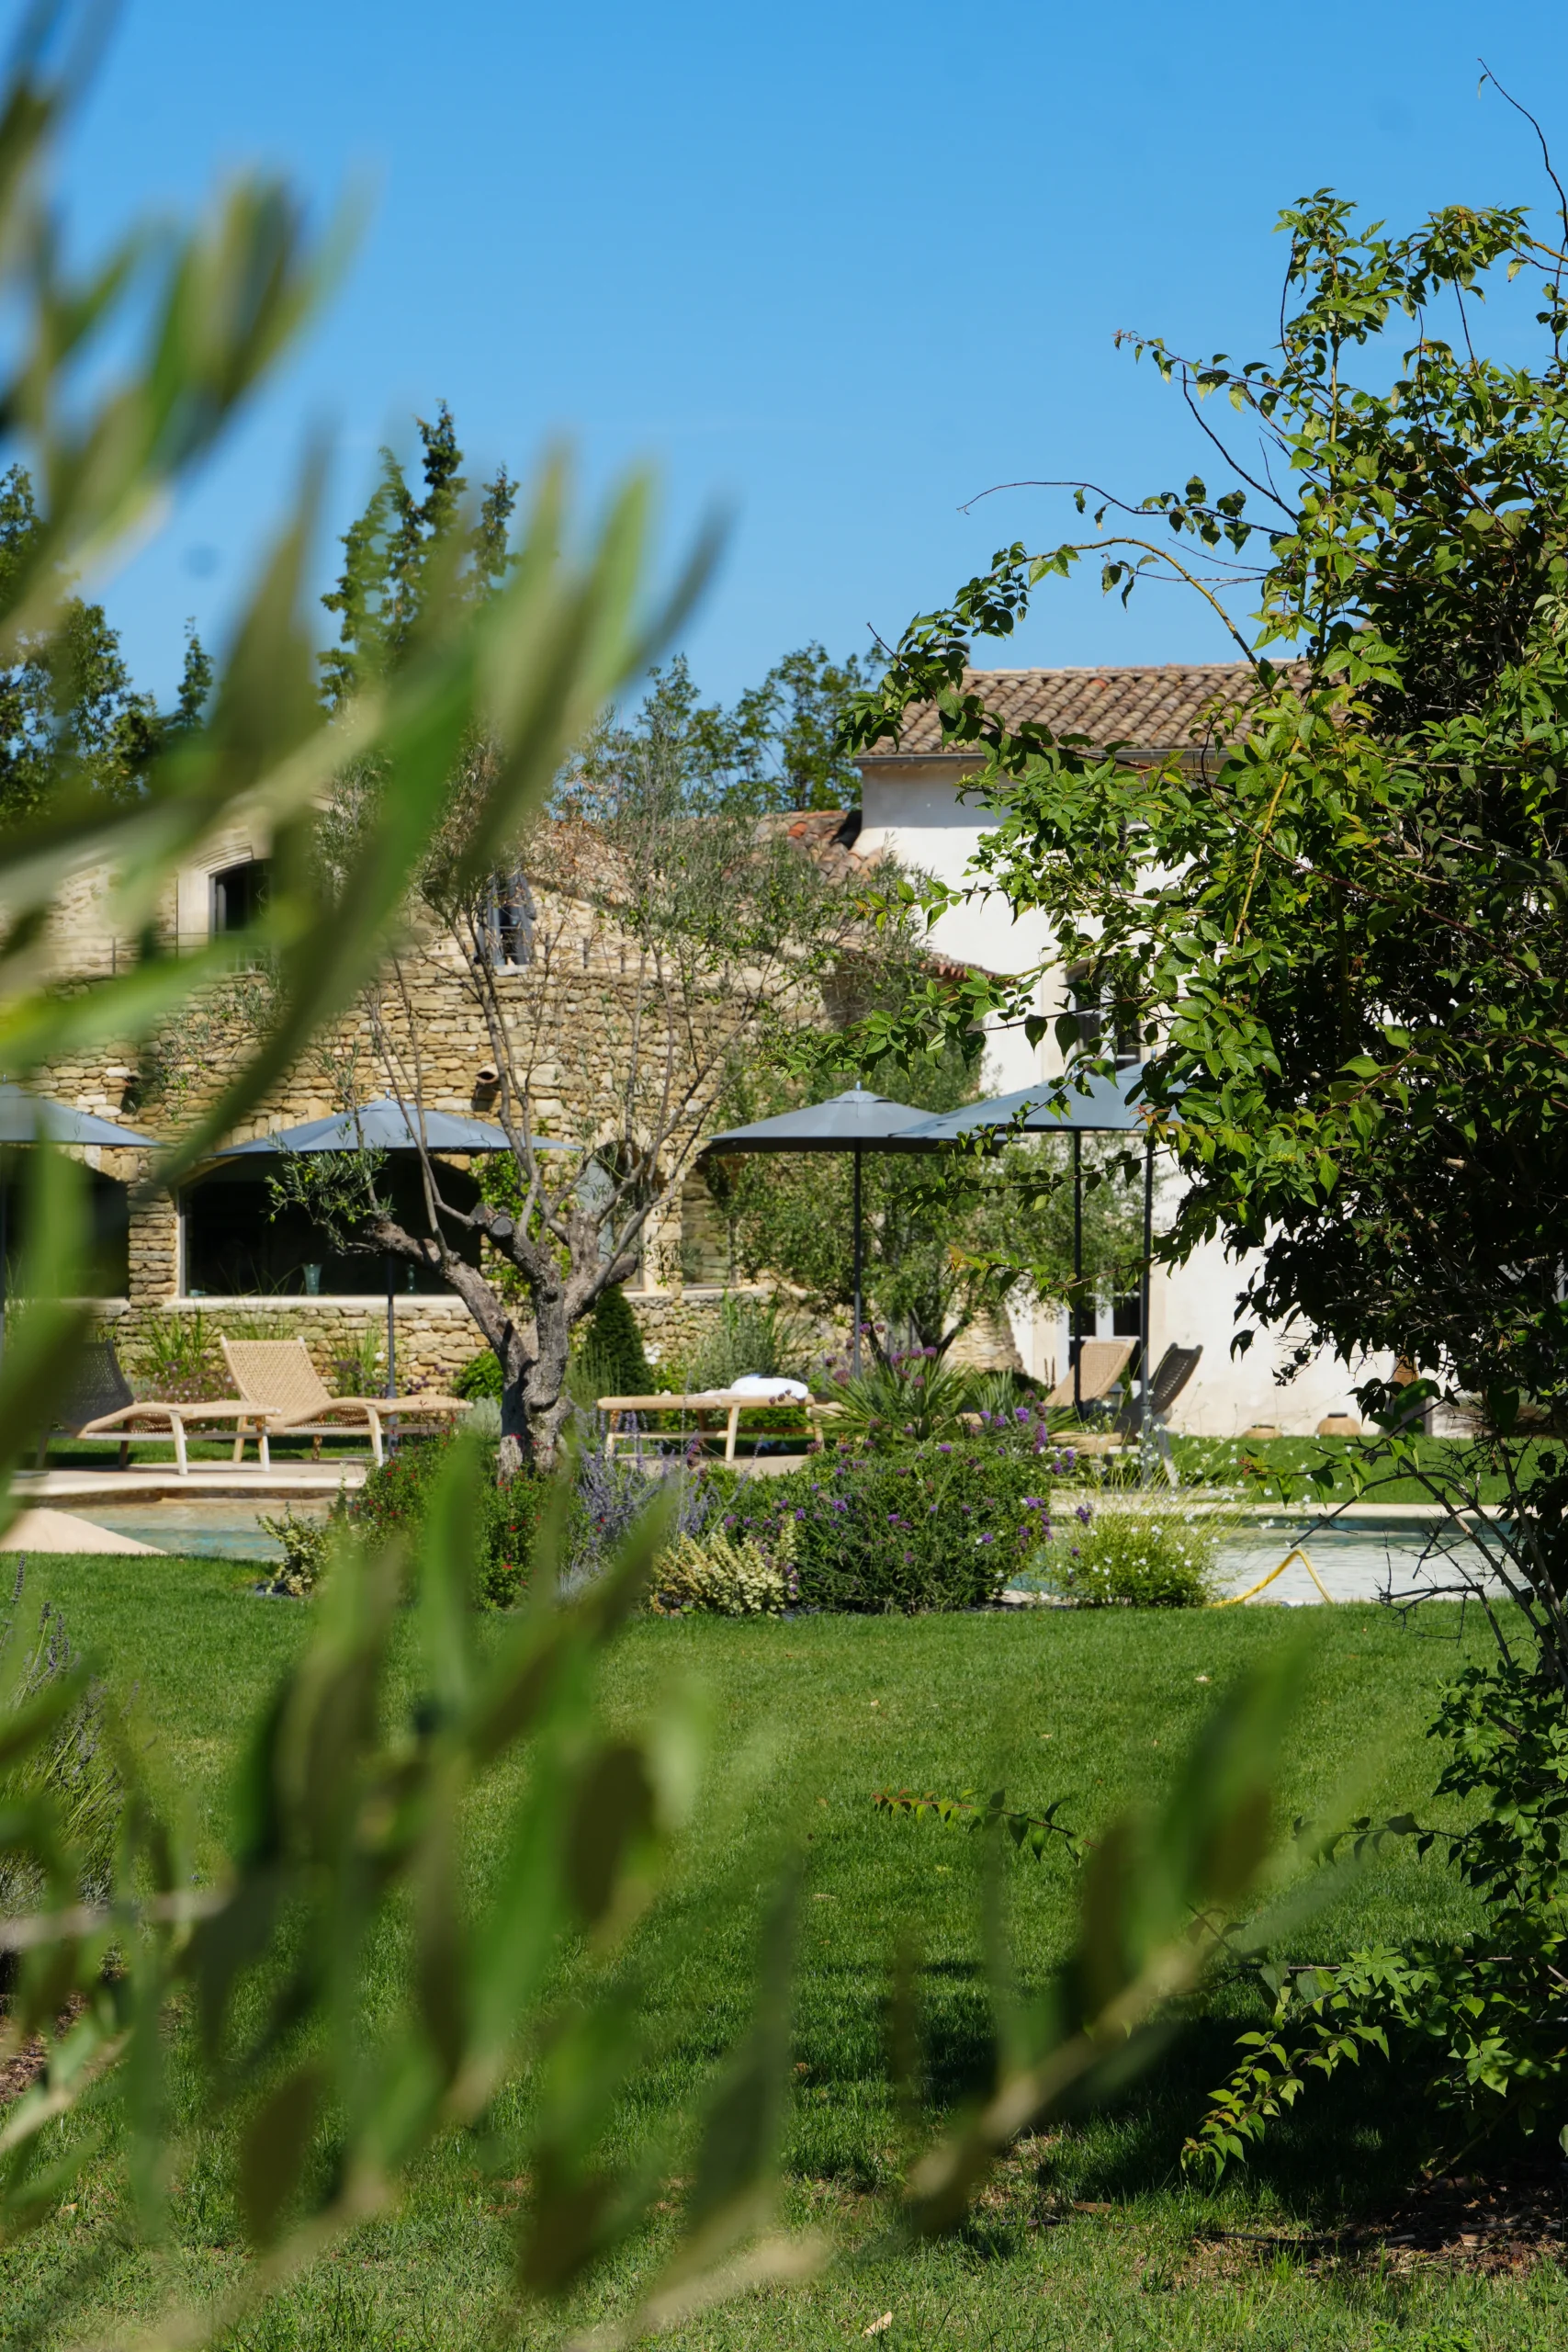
(239, 894)
(236, 1246)
(108, 1272)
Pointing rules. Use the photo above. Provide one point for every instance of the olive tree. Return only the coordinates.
(643, 933)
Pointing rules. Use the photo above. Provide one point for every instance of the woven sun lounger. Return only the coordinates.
(1173, 1372)
(1103, 1363)
(101, 1409)
(705, 1404)
(278, 1378)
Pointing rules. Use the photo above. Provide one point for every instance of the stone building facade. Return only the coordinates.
(572, 1005)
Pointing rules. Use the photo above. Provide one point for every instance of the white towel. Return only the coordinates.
(757, 1383)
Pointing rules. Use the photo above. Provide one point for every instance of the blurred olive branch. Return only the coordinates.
(350, 1821)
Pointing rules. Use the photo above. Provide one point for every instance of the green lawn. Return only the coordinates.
(1205, 1461)
(807, 1719)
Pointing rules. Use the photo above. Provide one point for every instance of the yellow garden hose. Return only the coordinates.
(1232, 1598)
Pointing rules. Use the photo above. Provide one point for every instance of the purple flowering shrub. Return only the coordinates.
(612, 1493)
(1025, 1430)
(942, 1525)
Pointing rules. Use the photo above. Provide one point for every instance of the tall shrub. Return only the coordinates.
(611, 1359)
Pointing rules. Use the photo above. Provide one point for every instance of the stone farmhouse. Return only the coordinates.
(218, 1250)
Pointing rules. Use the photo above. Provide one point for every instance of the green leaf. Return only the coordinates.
(273, 2148)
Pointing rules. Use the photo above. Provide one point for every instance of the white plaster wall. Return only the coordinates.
(912, 807)
(1196, 1307)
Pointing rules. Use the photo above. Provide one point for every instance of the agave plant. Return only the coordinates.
(910, 1397)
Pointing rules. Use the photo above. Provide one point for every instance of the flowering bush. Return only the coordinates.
(1024, 1429)
(727, 1575)
(614, 1490)
(396, 1495)
(606, 1496)
(937, 1526)
(306, 1546)
(1141, 1555)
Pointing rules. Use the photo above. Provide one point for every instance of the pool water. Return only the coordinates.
(211, 1530)
(1358, 1561)
(1361, 1561)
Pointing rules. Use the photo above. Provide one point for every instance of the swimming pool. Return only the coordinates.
(1365, 1559)
(211, 1529)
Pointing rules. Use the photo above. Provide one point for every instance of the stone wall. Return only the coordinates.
(674, 1323)
(575, 1016)
(435, 1337)
(986, 1346)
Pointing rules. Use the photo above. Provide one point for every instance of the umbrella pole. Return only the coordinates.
(854, 1344)
(391, 1333)
(1075, 1339)
(1146, 1429)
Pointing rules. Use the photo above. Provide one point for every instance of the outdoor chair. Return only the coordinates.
(1103, 1362)
(1173, 1372)
(277, 1377)
(100, 1410)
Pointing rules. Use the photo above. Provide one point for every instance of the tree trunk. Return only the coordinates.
(515, 1445)
(545, 1406)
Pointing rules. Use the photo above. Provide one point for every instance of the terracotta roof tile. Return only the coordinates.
(1160, 709)
(827, 836)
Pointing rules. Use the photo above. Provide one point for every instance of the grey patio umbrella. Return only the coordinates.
(385, 1125)
(32, 1118)
(1090, 1105)
(857, 1122)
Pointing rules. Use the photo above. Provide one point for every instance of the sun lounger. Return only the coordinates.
(1175, 1369)
(101, 1409)
(1102, 1363)
(705, 1404)
(278, 1378)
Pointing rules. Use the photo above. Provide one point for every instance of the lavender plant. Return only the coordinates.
(613, 1492)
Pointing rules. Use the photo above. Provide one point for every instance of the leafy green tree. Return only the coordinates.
(785, 735)
(1341, 920)
(69, 715)
(405, 553)
(778, 749)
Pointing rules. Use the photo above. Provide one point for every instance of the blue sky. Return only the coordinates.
(832, 268)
